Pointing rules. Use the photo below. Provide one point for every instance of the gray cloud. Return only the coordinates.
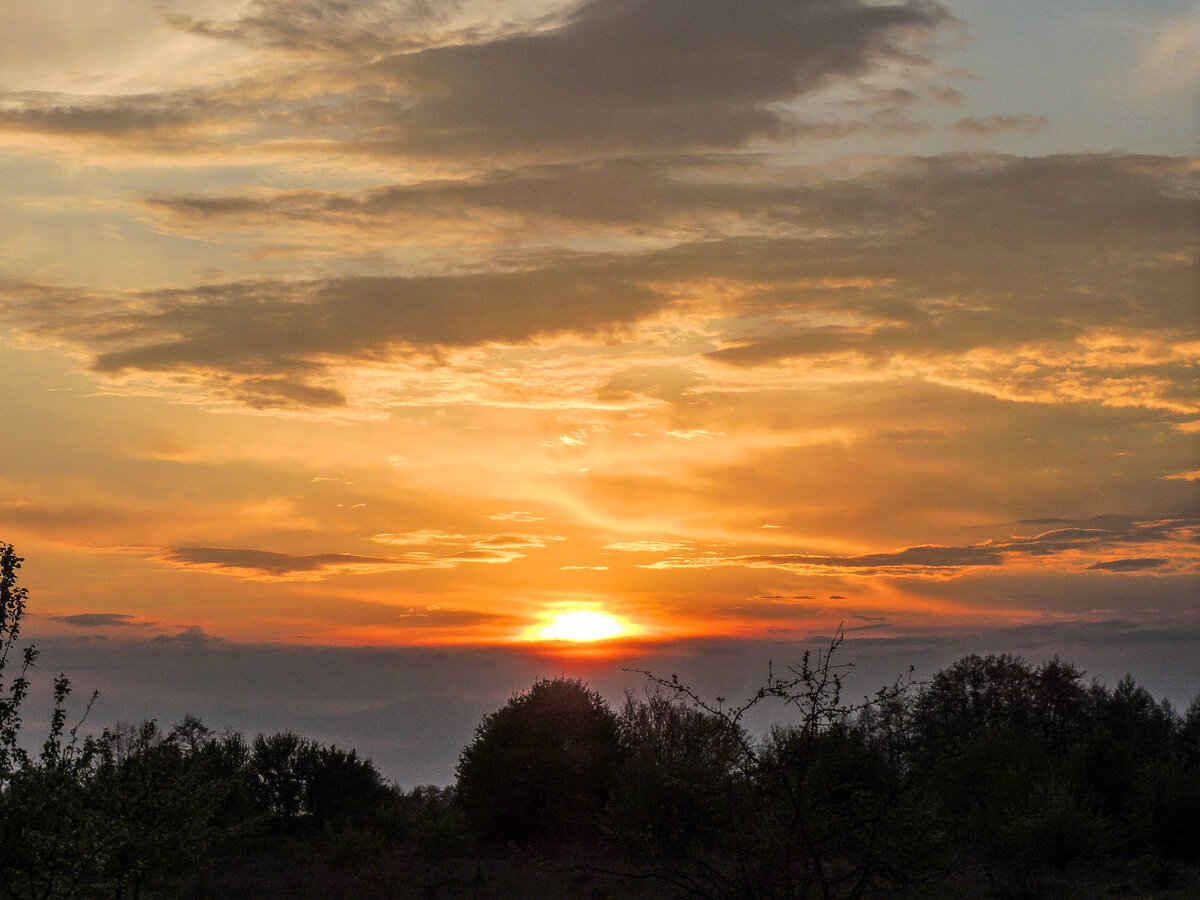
(265, 342)
(268, 562)
(191, 636)
(441, 551)
(925, 258)
(931, 561)
(249, 327)
(269, 393)
(358, 28)
(945, 204)
(621, 193)
(912, 561)
(1130, 565)
(97, 620)
(165, 116)
(647, 73)
(643, 75)
(1105, 531)
(972, 252)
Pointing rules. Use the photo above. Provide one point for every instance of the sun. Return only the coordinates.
(581, 625)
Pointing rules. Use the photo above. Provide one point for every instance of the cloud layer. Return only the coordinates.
(1060, 547)
(604, 76)
(1081, 268)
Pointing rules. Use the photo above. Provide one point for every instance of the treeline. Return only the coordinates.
(995, 778)
(995, 770)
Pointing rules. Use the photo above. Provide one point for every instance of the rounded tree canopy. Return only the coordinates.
(542, 765)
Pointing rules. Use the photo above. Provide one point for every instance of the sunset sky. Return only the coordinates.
(386, 332)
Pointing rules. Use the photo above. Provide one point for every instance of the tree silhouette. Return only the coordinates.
(816, 808)
(678, 767)
(542, 765)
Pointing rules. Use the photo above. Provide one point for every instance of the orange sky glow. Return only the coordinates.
(418, 325)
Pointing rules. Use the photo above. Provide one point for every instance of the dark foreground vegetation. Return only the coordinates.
(997, 778)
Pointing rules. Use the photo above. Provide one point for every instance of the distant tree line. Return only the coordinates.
(1019, 774)
(995, 778)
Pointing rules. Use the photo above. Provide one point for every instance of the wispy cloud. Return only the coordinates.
(648, 546)
(99, 620)
(1077, 545)
(273, 565)
(1130, 565)
(516, 516)
(441, 550)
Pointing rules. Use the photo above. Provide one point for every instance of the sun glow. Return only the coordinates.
(581, 625)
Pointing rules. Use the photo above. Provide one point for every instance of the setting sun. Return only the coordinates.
(581, 625)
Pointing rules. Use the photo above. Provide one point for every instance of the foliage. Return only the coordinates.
(814, 809)
(299, 784)
(1000, 693)
(12, 608)
(158, 804)
(678, 768)
(541, 766)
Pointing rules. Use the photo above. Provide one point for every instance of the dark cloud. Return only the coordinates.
(97, 620)
(192, 636)
(1130, 565)
(269, 562)
(266, 342)
(268, 393)
(651, 74)
(623, 193)
(926, 560)
(1105, 531)
(359, 28)
(938, 561)
(924, 259)
(442, 551)
(129, 116)
(871, 626)
(250, 327)
(644, 75)
(959, 253)
(929, 223)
